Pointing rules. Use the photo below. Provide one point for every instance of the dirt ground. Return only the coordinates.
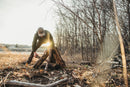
(78, 75)
(14, 63)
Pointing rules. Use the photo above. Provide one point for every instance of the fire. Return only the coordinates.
(46, 44)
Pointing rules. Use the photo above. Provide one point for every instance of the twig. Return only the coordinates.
(14, 82)
(45, 77)
(46, 67)
(4, 79)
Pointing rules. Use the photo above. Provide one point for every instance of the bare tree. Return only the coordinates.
(121, 46)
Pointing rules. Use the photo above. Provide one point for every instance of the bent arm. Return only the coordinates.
(34, 43)
(50, 39)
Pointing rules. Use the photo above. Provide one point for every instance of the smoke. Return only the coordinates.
(105, 57)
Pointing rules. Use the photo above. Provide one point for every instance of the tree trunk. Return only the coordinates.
(128, 10)
(121, 46)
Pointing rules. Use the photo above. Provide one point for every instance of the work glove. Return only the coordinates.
(35, 54)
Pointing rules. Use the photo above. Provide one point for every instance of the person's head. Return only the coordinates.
(41, 32)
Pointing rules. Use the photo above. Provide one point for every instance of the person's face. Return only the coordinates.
(41, 34)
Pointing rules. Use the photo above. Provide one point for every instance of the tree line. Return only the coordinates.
(83, 25)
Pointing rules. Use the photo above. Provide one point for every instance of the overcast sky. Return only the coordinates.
(19, 19)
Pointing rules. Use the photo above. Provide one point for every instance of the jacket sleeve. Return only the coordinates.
(34, 43)
(50, 39)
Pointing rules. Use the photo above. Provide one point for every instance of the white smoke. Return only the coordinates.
(104, 60)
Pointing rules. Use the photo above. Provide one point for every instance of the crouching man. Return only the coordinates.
(41, 37)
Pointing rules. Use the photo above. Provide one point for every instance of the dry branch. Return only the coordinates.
(40, 61)
(4, 79)
(84, 21)
(58, 58)
(26, 84)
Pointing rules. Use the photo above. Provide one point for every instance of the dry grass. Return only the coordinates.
(73, 58)
(11, 59)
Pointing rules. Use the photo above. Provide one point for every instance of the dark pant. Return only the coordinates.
(32, 53)
(30, 58)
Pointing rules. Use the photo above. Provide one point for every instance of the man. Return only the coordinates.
(41, 37)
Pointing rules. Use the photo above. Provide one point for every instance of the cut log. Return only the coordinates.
(58, 58)
(26, 84)
(40, 61)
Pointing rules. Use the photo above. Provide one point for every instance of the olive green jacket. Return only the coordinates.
(38, 41)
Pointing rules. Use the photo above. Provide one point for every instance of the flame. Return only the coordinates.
(46, 44)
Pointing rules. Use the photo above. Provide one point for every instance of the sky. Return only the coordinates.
(19, 19)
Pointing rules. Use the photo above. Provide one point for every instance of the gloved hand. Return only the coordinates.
(35, 54)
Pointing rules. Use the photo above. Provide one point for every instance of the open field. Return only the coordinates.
(11, 59)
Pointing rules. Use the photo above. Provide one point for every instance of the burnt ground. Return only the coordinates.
(77, 75)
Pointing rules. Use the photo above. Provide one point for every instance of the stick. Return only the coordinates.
(26, 84)
(46, 67)
(40, 61)
(4, 79)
